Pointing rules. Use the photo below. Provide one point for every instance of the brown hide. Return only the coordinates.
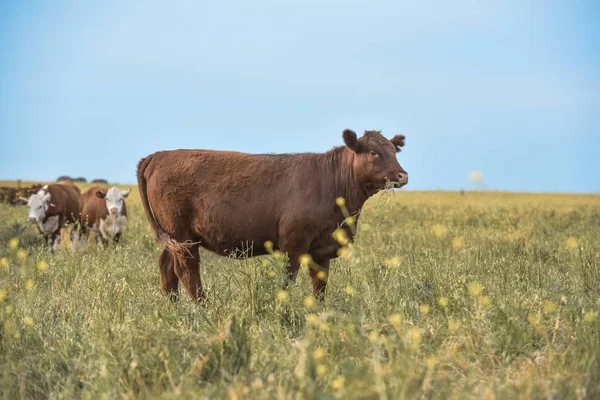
(93, 208)
(64, 201)
(229, 201)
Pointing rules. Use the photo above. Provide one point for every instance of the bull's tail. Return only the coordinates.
(177, 249)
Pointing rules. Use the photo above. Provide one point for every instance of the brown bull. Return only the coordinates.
(224, 201)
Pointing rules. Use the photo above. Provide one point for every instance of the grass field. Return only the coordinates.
(486, 295)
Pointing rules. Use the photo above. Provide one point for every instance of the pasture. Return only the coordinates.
(443, 295)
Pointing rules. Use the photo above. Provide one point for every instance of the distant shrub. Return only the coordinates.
(100, 181)
(80, 179)
(64, 178)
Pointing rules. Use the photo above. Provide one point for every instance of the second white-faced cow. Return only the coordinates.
(51, 208)
(105, 213)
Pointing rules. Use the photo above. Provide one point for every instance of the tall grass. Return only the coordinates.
(485, 295)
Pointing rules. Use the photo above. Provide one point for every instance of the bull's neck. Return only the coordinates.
(341, 161)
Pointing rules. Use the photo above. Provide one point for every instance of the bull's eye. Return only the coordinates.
(373, 153)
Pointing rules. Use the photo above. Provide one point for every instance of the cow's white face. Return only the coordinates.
(114, 200)
(38, 206)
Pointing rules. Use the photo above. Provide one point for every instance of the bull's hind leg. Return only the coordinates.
(319, 274)
(187, 269)
(170, 281)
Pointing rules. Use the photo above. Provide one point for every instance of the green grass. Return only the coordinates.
(520, 274)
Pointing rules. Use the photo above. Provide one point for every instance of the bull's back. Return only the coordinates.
(224, 198)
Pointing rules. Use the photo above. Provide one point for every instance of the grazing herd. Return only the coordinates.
(230, 202)
(57, 205)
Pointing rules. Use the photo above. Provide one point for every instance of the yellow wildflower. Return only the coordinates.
(548, 307)
(431, 361)
(321, 370)
(324, 327)
(13, 243)
(269, 246)
(338, 383)
(341, 236)
(393, 262)
(475, 289)
(396, 319)
(485, 301)
(533, 319)
(424, 309)
(21, 254)
(28, 321)
(439, 230)
(283, 296)
(319, 354)
(42, 266)
(453, 325)
(458, 242)
(29, 283)
(443, 301)
(374, 336)
(365, 227)
(4, 262)
(349, 221)
(2, 294)
(342, 251)
(279, 256)
(8, 310)
(312, 319)
(271, 274)
(572, 243)
(305, 260)
(589, 317)
(350, 291)
(322, 275)
(309, 302)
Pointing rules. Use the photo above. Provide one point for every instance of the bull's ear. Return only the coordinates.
(398, 141)
(351, 140)
(47, 198)
(125, 193)
(101, 194)
(22, 201)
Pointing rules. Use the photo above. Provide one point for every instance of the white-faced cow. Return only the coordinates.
(105, 213)
(51, 208)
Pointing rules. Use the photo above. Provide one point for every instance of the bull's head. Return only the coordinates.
(114, 200)
(375, 164)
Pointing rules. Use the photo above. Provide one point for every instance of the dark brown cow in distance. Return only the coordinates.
(52, 207)
(224, 201)
(105, 212)
(14, 196)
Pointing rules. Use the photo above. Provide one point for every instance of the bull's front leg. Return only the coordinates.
(294, 246)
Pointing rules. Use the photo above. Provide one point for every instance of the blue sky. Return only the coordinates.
(511, 88)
